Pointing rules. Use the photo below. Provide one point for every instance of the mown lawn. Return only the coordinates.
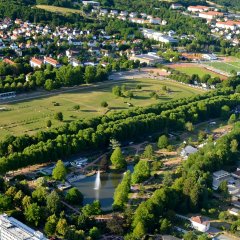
(197, 70)
(226, 66)
(31, 116)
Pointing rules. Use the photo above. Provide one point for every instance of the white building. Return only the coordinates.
(232, 25)
(92, 3)
(176, 6)
(198, 8)
(209, 57)
(35, 62)
(132, 14)
(200, 224)
(12, 229)
(220, 176)
(210, 15)
(158, 36)
(150, 59)
(187, 151)
(155, 20)
(234, 211)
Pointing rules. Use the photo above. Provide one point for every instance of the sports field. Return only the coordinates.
(61, 10)
(31, 116)
(197, 70)
(227, 67)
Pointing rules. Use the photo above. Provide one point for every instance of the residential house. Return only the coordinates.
(176, 6)
(36, 62)
(72, 53)
(132, 14)
(113, 13)
(74, 62)
(74, 42)
(137, 20)
(155, 20)
(232, 25)
(103, 12)
(8, 61)
(123, 14)
(197, 8)
(199, 223)
(210, 15)
(52, 62)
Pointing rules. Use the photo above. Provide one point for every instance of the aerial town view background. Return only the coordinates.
(119, 119)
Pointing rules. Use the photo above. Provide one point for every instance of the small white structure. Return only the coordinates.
(92, 3)
(187, 151)
(12, 229)
(234, 211)
(220, 176)
(209, 57)
(200, 224)
(176, 6)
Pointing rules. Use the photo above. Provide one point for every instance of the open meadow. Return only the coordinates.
(61, 10)
(27, 117)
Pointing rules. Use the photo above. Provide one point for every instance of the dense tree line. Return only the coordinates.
(234, 4)
(67, 142)
(52, 78)
(17, 144)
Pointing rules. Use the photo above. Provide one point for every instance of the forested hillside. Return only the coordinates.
(234, 4)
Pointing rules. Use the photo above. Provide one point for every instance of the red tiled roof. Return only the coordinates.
(213, 13)
(36, 61)
(51, 60)
(199, 7)
(199, 219)
(8, 61)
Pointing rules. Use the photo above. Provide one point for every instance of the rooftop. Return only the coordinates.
(19, 230)
(199, 219)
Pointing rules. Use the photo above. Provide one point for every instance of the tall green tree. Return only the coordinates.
(141, 172)
(121, 192)
(117, 159)
(163, 141)
(74, 196)
(59, 172)
(53, 202)
(148, 152)
(33, 214)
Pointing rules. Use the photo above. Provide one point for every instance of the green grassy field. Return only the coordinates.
(197, 70)
(226, 66)
(61, 10)
(31, 116)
